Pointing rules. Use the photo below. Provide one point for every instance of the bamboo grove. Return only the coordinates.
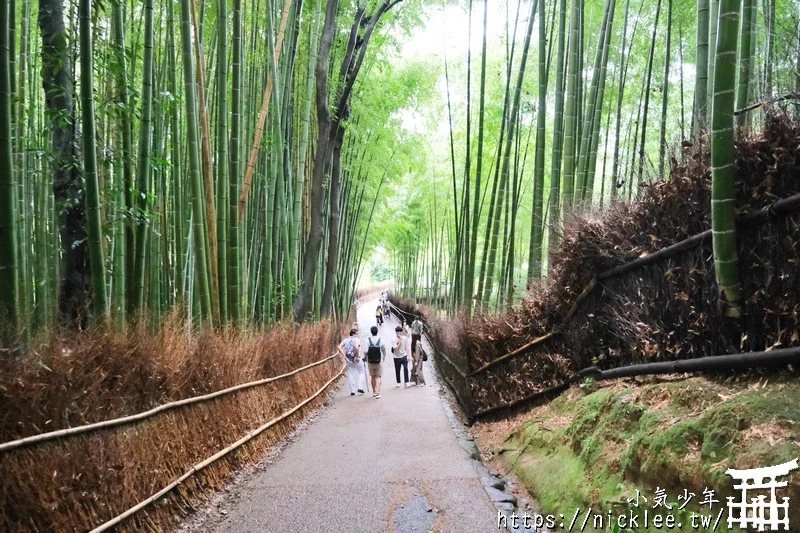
(573, 106)
(198, 156)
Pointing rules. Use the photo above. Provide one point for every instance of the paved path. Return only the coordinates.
(367, 465)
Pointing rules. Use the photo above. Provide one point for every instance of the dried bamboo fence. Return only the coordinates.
(459, 377)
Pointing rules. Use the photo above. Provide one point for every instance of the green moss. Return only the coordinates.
(673, 436)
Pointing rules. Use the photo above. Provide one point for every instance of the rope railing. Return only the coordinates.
(220, 454)
(131, 419)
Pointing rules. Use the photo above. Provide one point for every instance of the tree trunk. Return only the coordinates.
(329, 127)
(67, 192)
(334, 219)
(304, 298)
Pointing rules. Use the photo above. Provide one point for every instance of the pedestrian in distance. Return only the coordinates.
(417, 358)
(400, 351)
(379, 315)
(376, 355)
(350, 348)
(416, 333)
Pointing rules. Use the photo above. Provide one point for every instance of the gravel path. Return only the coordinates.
(367, 465)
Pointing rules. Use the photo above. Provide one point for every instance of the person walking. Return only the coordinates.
(350, 348)
(376, 355)
(400, 353)
(379, 315)
(416, 333)
(418, 357)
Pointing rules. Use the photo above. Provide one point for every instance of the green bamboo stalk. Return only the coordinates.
(464, 238)
(571, 119)
(125, 159)
(195, 180)
(723, 176)
(558, 131)
(504, 179)
(646, 102)
(745, 61)
(700, 115)
(769, 46)
(665, 95)
(9, 253)
(597, 108)
(469, 278)
(234, 154)
(484, 278)
(143, 163)
(713, 20)
(95, 233)
(594, 92)
(537, 220)
(221, 159)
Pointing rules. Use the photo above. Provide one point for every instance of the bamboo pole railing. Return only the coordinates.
(130, 419)
(740, 361)
(222, 453)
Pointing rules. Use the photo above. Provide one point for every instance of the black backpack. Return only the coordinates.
(374, 352)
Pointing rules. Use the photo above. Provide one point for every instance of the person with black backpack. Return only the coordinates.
(376, 354)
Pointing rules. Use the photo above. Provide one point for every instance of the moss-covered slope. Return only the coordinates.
(597, 446)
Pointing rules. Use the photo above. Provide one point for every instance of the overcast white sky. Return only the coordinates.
(449, 27)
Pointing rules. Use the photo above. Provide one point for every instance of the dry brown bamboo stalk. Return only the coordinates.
(556, 330)
(199, 466)
(509, 355)
(205, 149)
(262, 117)
(105, 424)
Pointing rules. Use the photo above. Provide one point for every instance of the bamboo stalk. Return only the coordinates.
(262, 117)
(205, 155)
(781, 356)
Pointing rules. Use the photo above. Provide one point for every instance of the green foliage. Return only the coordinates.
(379, 271)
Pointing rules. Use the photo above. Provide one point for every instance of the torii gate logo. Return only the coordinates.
(759, 512)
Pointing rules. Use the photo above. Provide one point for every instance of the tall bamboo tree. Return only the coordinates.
(9, 276)
(195, 179)
(746, 60)
(93, 217)
(537, 219)
(571, 116)
(558, 130)
(700, 114)
(723, 176)
(143, 164)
